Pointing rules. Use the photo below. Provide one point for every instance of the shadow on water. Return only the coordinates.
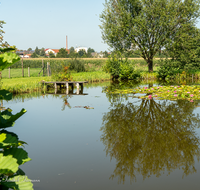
(150, 137)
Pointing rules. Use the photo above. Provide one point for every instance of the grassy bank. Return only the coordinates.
(31, 84)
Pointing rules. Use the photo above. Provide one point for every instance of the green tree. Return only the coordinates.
(82, 53)
(62, 53)
(90, 50)
(51, 55)
(71, 50)
(184, 53)
(42, 52)
(34, 55)
(37, 51)
(147, 25)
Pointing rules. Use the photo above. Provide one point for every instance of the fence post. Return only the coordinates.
(22, 68)
(9, 72)
(28, 71)
(48, 72)
(43, 66)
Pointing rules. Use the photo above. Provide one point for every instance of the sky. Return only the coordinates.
(46, 23)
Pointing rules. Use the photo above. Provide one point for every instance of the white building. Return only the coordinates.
(54, 51)
(80, 48)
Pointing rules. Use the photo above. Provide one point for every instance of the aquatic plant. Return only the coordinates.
(183, 92)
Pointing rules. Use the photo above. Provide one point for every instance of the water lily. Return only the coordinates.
(145, 87)
(152, 89)
(150, 96)
(175, 95)
(191, 101)
(191, 95)
(174, 91)
(188, 92)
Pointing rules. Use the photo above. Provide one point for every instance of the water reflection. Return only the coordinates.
(151, 137)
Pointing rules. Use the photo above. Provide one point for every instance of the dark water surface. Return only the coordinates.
(123, 143)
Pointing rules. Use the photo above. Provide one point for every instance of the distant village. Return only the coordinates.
(79, 52)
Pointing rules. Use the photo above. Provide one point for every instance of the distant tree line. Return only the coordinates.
(63, 53)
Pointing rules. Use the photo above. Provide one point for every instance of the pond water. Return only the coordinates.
(123, 143)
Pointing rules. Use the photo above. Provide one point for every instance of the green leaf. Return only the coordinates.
(7, 59)
(7, 139)
(19, 182)
(20, 172)
(20, 154)
(7, 119)
(8, 164)
(6, 49)
(5, 95)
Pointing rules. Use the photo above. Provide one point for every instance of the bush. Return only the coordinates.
(76, 65)
(64, 75)
(168, 68)
(120, 68)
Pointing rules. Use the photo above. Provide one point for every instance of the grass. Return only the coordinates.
(31, 84)
(23, 85)
(91, 76)
(16, 73)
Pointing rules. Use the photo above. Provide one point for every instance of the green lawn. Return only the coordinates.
(16, 73)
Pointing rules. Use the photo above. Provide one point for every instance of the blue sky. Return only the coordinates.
(45, 23)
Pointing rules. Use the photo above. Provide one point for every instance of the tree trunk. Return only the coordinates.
(150, 65)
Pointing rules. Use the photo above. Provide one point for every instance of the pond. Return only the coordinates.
(104, 141)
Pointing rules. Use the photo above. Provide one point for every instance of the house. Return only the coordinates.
(81, 48)
(27, 56)
(54, 51)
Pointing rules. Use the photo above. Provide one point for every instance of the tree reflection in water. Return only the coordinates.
(151, 138)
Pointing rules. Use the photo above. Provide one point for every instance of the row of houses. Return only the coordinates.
(47, 51)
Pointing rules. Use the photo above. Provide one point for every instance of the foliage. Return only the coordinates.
(64, 75)
(82, 53)
(185, 54)
(7, 58)
(76, 65)
(120, 68)
(62, 53)
(51, 55)
(42, 52)
(169, 68)
(34, 55)
(146, 25)
(11, 157)
(183, 92)
(37, 51)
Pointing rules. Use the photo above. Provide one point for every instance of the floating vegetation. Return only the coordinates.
(183, 92)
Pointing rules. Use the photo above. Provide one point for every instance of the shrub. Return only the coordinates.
(76, 65)
(64, 75)
(120, 68)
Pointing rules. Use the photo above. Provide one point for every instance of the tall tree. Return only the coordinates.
(146, 24)
(42, 52)
(37, 51)
(82, 53)
(62, 53)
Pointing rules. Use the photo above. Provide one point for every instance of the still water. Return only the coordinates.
(123, 143)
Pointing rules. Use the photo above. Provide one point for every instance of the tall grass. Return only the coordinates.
(23, 85)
